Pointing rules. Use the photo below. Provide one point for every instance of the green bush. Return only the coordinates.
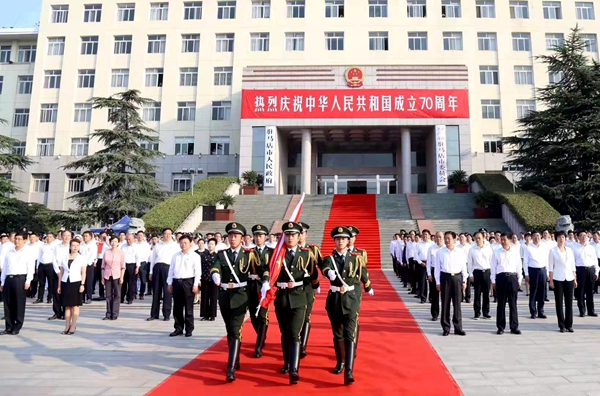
(532, 211)
(172, 212)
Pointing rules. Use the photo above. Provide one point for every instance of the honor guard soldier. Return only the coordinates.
(290, 299)
(346, 270)
(230, 273)
(260, 320)
(311, 284)
(353, 249)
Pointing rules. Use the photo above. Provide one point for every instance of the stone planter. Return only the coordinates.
(224, 214)
(481, 213)
(250, 190)
(461, 189)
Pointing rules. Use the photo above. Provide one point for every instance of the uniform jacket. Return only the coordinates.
(354, 272)
(246, 259)
(296, 297)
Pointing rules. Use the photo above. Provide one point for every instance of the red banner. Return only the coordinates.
(355, 103)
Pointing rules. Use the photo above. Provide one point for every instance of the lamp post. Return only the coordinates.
(512, 170)
(193, 172)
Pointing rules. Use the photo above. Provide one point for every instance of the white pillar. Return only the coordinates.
(405, 161)
(306, 160)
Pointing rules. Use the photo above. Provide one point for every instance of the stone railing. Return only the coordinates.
(511, 220)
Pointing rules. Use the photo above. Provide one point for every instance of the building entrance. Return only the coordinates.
(375, 184)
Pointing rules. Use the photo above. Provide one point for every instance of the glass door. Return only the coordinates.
(376, 184)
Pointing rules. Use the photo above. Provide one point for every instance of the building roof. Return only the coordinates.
(18, 33)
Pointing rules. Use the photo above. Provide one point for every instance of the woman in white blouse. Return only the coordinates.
(561, 267)
(72, 278)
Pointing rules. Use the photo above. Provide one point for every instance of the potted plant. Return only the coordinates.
(250, 182)
(458, 182)
(225, 214)
(484, 201)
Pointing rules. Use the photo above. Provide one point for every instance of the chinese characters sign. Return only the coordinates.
(353, 103)
(269, 175)
(441, 155)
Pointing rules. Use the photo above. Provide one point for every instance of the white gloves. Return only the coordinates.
(263, 290)
(318, 290)
(331, 275)
(216, 278)
(371, 292)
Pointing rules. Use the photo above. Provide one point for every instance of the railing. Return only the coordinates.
(511, 220)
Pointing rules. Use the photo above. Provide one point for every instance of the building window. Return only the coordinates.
(26, 53)
(488, 75)
(334, 41)
(186, 111)
(86, 78)
(21, 118)
(154, 77)
(92, 13)
(159, 11)
(452, 41)
(485, 9)
(221, 111)
(19, 148)
(60, 14)
(190, 43)
(492, 144)
(182, 181)
(555, 77)
(554, 40)
(219, 146)
(157, 44)
(294, 41)
(89, 45)
(1, 83)
(5, 53)
(519, 10)
(521, 42)
(192, 11)
(261, 9)
(295, 8)
(184, 146)
(151, 111)
(334, 8)
(223, 75)
(524, 107)
(378, 8)
(226, 10)
(123, 44)
(126, 12)
(76, 183)
(79, 146)
(83, 112)
(188, 76)
(417, 41)
(25, 85)
(490, 109)
(52, 79)
(41, 182)
(224, 42)
(416, 8)
(590, 41)
(523, 75)
(119, 78)
(552, 10)
(378, 41)
(451, 9)
(45, 147)
(259, 42)
(585, 11)
(56, 46)
(149, 146)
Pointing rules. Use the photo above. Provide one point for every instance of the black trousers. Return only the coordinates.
(435, 296)
(143, 275)
(208, 299)
(451, 290)
(253, 302)
(113, 298)
(395, 265)
(183, 304)
(46, 273)
(585, 285)
(232, 317)
(159, 281)
(507, 287)
(128, 288)
(537, 290)
(57, 306)
(290, 319)
(412, 270)
(405, 270)
(422, 277)
(98, 278)
(343, 325)
(89, 283)
(14, 295)
(466, 295)
(481, 283)
(564, 290)
(33, 286)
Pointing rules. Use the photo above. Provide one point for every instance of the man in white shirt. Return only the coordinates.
(61, 249)
(535, 265)
(160, 263)
(431, 257)
(586, 263)
(133, 261)
(145, 252)
(220, 244)
(411, 255)
(6, 246)
(183, 282)
(45, 269)
(479, 264)
(451, 280)
(506, 275)
(102, 246)
(89, 250)
(35, 244)
(401, 257)
(393, 245)
(462, 239)
(547, 239)
(571, 241)
(422, 249)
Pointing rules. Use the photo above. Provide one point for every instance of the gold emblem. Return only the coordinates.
(233, 225)
(291, 225)
(231, 285)
(290, 285)
(258, 227)
(342, 289)
(340, 229)
(350, 228)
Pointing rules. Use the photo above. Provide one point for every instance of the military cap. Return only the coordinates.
(305, 227)
(3, 235)
(260, 229)
(482, 230)
(341, 231)
(235, 228)
(353, 230)
(291, 228)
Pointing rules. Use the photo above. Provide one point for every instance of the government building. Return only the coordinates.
(320, 96)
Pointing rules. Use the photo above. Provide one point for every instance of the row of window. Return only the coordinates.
(25, 53)
(333, 9)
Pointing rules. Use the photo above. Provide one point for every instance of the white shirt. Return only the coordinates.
(20, 262)
(74, 273)
(466, 247)
(422, 250)
(508, 261)
(185, 265)
(535, 256)
(132, 254)
(4, 249)
(46, 255)
(89, 251)
(221, 246)
(585, 256)
(145, 251)
(105, 247)
(562, 264)
(431, 255)
(60, 250)
(479, 258)
(393, 247)
(35, 249)
(450, 261)
(163, 253)
(411, 250)
(399, 246)
(550, 244)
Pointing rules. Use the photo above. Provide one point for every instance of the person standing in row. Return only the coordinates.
(46, 269)
(133, 261)
(586, 262)
(421, 264)
(311, 283)
(113, 272)
(145, 252)
(535, 265)
(72, 273)
(562, 273)
(89, 250)
(466, 247)
(61, 250)
(102, 245)
(5, 247)
(162, 255)
(35, 245)
(208, 290)
(506, 275)
(479, 264)
(431, 260)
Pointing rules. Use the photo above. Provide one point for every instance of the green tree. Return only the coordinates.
(558, 146)
(120, 173)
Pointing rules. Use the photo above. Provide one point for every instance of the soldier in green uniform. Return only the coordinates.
(346, 270)
(290, 299)
(260, 320)
(230, 273)
(311, 284)
(352, 247)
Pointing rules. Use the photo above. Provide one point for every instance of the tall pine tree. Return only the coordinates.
(558, 146)
(120, 173)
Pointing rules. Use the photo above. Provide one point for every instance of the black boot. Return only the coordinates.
(237, 361)
(338, 346)
(356, 344)
(260, 340)
(285, 348)
(294, 362)
(348, 377)
(234, 351)
(304, 339)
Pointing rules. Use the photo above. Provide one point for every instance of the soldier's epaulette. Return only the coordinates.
(305, 249)
(356, 253)
(248, 250)
(311, 245)
(222, 250)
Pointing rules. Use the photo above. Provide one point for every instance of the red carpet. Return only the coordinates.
(394, 357)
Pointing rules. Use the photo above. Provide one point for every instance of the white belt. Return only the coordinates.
(253, 277)
(306, 275)
(342, 289)
(227, 286)
(289, 285)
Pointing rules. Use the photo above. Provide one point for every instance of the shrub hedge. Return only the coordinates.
(532, 211)
(172, 212)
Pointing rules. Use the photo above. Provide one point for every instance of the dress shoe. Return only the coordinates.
(594, 314)
(515, 331)
(542, 316)
(487, 316)
(533, 316)
(53, 317)
(446, 333)
(202, 319)
(6, 332)
(460, 332)
(476, 317)
(547, 300)
(16, 332)
(129, 302)
(49, 302)
(434, 319)
(166, 319)
(176, 333)
(105, 318)
(150, 319)
(570, 329)
(562, 330)
(141, 296)
(149, 293)
(500, 332)
(467, 300)
(87, 302)
(581, 315)
(38, 301)
(285, 369)
(188, 334)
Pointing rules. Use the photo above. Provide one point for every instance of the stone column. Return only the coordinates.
(306, 160)
(405, 160)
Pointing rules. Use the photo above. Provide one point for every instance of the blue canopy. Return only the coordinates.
(120, 226)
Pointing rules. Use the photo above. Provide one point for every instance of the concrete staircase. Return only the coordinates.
(448, 206)
(387, 229)
(315, 213)
(470, 225)
(392, 207)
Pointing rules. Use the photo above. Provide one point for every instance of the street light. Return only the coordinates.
(512, 170)
(193, 172)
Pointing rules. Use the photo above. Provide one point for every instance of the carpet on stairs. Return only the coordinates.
(394, 356)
